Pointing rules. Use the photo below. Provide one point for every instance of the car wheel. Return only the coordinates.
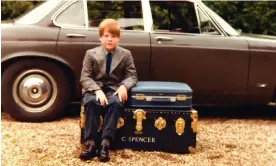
(34, 90)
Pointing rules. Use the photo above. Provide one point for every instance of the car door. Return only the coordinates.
(186, 47)
(79, 22)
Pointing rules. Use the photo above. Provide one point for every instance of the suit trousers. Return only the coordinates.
(111, 114)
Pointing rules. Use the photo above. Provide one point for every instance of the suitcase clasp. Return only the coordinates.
(139, 115)
(194, 117)
(140, 97)
(120, 123)
(160, 123)
(181, 97)
(179, 126)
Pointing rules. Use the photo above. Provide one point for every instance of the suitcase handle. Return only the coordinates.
(161, 100)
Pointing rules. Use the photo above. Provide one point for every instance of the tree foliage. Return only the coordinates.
(13, 9)
(249, 16)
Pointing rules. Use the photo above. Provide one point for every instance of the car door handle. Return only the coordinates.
(163, 38)
(72, 35)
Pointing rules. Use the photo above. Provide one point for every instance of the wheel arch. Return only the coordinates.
(67, 67)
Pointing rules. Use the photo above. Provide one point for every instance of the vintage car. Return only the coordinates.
(181, 41)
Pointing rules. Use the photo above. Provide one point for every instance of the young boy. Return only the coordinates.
(108, 72)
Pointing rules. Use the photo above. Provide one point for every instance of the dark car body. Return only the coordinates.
(220, 65)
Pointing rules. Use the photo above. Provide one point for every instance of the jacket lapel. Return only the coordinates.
(117, 57)
(100, 57)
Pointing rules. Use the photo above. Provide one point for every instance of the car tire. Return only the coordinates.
(34, 90)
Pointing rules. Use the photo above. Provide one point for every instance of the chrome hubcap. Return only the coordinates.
(35, 90)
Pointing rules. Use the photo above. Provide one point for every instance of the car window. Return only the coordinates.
(174, 16)
(72, 15)
(127, 13)
(230, 30)
(206, 26)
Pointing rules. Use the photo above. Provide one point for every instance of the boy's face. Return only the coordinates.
(109, 41)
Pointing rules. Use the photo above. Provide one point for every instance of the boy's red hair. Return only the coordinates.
(111, 26)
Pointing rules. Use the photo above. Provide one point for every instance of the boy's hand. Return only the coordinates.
(122, 93)
(100, 96)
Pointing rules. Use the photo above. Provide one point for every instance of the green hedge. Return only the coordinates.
(13, 9)
(250, 16)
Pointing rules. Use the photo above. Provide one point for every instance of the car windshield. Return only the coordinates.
(35, 15)
(231, 31)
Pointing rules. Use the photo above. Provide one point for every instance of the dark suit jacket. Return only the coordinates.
(122, 70)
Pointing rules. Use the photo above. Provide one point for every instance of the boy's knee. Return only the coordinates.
(117, 103)
(91, 100)
(88, 98)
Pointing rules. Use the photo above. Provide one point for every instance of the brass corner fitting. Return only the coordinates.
(82, 118)
(194, 123)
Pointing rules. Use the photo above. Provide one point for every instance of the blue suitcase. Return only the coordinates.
(168, 95)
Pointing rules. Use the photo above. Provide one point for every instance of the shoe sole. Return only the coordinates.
(103, 159)
(89, 157)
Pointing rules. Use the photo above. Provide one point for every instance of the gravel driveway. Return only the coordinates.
(225, 137)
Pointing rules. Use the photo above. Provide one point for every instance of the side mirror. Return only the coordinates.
(239, 31)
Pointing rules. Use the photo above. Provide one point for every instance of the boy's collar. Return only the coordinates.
(106, 52)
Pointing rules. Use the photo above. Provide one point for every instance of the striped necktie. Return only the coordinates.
(108, 62)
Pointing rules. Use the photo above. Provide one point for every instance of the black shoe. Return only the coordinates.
(89, 151)
(104, 154)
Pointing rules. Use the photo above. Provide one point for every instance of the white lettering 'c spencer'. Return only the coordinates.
(123, 139)
(139, 139)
